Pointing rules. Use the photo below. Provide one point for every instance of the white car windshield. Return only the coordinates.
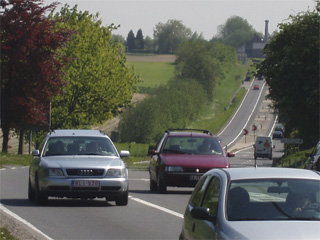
(79, 146)
(274, 199)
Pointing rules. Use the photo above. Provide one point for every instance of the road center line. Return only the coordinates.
(157, 207)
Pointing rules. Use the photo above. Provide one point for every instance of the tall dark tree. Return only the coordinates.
(291, 69)
(139, 40)
(131, 41)
(30, 69)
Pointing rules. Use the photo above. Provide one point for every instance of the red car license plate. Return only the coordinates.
(194, 177)
(85, 183)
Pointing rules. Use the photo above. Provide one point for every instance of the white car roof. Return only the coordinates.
(76, 132)
(270, 172)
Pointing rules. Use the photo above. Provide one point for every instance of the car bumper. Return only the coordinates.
(263, 154)
(181, 179)
(61, 187)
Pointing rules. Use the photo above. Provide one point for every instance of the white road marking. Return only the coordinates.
(166, 210)
(23, 221)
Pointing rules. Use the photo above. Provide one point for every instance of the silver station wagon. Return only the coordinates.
(254, 203)
(78, 164)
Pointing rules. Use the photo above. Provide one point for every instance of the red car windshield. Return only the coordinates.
(192, 145)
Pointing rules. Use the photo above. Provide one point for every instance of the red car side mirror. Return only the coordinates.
(231, 154)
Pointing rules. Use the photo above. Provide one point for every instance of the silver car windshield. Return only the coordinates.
(274, 199)
(192, 145)
(79, 146)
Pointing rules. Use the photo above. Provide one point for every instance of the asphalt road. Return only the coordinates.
(147, 216)
(245, 115)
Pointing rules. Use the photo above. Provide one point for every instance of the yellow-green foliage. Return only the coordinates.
(293, 160)
(134, 148)
(13, 159)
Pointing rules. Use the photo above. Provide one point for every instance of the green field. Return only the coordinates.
(153, 74)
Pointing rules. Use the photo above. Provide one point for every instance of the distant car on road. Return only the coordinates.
(280, 128)
(277, 134)
(182, 156)
(256, 87)
(254, 203)
(78, 164)
(263, 147)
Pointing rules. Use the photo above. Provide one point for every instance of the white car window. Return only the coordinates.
(273, 199)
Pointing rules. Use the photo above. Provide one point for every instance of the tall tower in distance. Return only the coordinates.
(266, 34)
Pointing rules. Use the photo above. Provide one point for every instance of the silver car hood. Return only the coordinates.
(273, 230)
(84, 161)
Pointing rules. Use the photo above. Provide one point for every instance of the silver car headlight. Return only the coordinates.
(53, 172)
(173, 169)
(116, 172)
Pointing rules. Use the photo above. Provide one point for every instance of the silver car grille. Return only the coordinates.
(85, 172)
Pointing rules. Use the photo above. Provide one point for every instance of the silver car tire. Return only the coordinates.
(31, 193)
(40, 197)
(122, 200)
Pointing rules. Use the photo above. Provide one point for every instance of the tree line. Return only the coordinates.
(67, 70)
(168, 36)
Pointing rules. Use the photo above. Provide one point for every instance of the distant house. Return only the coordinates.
(252, 49)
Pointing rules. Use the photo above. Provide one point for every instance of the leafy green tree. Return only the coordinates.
(98, 81)
(235, 32)
(204, 61)
(118, 38)
(291, 69)
(173, 106)
(139, 40)
(131, 41)
(168, 36)
(30, 66)
(149, 44)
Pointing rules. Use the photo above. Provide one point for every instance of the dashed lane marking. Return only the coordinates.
(166, 210)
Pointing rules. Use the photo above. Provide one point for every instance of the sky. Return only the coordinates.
(201, 16)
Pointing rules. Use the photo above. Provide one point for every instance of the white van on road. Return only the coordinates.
(263, 147)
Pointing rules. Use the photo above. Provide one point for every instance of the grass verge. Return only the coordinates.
(296, 159)
(5, 234)
(12, 159)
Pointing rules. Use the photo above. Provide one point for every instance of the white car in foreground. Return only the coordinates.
(78, 164)
(254, 203)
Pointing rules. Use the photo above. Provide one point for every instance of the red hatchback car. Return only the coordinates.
(182, 156)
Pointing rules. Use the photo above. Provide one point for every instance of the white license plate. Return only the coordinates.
(85, 183)
(194, 177)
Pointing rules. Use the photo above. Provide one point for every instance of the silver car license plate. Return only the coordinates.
(85, 183)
